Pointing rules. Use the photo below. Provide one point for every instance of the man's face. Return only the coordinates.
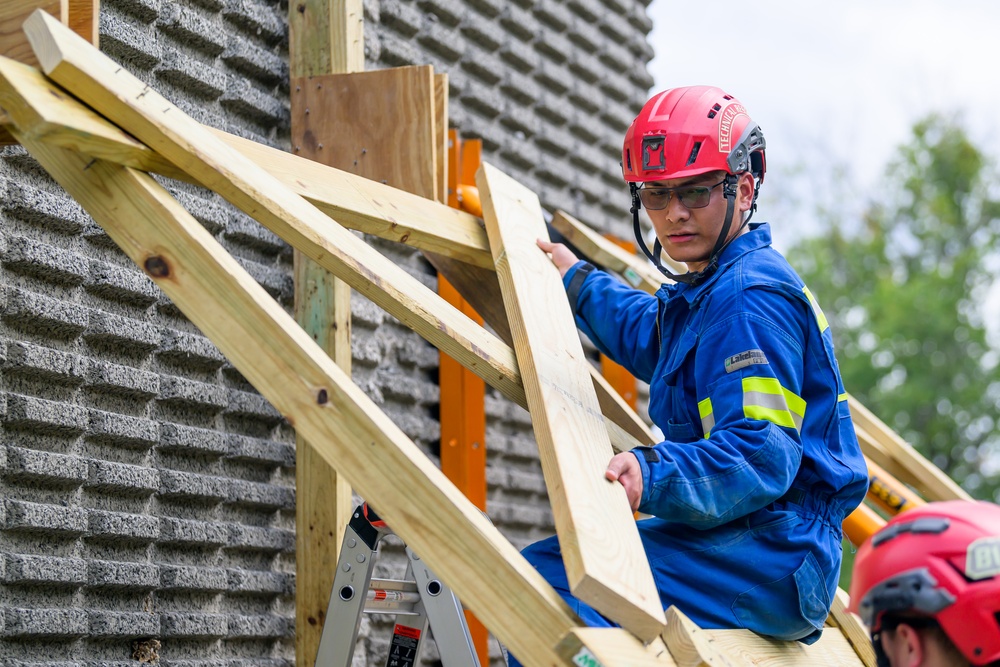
(689, 234)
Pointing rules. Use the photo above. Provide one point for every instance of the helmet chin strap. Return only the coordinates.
(692, 277)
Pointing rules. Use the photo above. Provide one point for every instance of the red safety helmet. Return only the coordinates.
(941, 561)
(689, 131)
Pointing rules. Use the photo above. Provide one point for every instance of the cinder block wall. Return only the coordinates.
(146, 490)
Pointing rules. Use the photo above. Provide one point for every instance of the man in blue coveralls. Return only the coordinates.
(760, 463)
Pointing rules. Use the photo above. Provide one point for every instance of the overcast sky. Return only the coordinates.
(836, 83)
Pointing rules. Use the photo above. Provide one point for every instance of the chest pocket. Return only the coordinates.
(676, 420)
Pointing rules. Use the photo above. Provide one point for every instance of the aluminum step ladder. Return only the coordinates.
(420, 601)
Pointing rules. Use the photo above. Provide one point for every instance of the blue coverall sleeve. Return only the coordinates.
(619, 320)
(748, 376)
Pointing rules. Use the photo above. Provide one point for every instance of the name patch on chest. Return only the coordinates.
(744, 359)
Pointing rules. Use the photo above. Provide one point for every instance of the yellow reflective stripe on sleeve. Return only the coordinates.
(764, 398)
(817, 311)
(842, 397)
(707, 417)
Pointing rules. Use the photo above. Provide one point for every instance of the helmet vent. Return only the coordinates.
(628, 159)
(694, 154)
(714, 110)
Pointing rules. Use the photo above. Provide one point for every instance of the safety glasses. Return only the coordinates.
(690, 196)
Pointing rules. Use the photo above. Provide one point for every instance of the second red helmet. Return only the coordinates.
(684, 132)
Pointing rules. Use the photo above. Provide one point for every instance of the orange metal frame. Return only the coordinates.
(463, 394)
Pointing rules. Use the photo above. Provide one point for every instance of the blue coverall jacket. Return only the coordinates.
(760, 463)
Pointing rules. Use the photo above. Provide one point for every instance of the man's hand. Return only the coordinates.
(625, 469)
(560, 255)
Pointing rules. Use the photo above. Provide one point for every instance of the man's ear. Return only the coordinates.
(745, 188)
(904, 646)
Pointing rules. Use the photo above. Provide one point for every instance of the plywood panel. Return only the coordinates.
(605, 562)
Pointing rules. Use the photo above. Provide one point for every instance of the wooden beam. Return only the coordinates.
(853, 629)
(144, 113)
(594, 647)
(319, 43)
(45, 111)
(605, 561)
(442, 155)
(921, 473)
(692, 646)
(48, 112)
(13, 13)
(266, 345)
(84, 19)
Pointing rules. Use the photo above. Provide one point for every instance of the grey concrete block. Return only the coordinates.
(588, 68)
(401, 53)
(188, 439)
(122, 625)
(192, 625)
(193, 487)
(182, 391)
(519, 56)
(589, 10)
(23, 569)
(255, 538)
(488, 8)
(45, 468)
(555, 140)
(122, 575)
(275, 281)
(44, 518)
(246, 449)
(42, 314)
(521, 120)
(189, 26)
(44, 623)
(193, 75)
(193, 578)
(253, 406)
(442, 41)
(122, 528)
(264, 21)
(193, 533)
(43, 417)
(190, 350)
(260, 627)
(261, 495)
(125, 285)
(553, 45)
(254, 104)
(485, 100)
(56, 212)
(129, 42)
(518, 22)
(552, 14)
(245, 230)
(481, 31)
(44, 261)
(109, 330)
(257, 582)
(402, 17)
(122, 479)
(122, 380)
(44, 363)
(122, 430)
(207, 208)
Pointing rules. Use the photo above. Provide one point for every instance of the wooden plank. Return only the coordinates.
(147, 115)
(605, 561)
(853, 629)
(365, 117)
(925, 476)
(323, 308)
(84, 19)
(692, 646)
(607, 647)
(47, 112)
(266, 345)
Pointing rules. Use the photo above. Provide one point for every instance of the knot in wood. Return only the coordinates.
(157, 267)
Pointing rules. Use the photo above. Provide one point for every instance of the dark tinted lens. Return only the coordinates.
(695, 197)
(654, 199)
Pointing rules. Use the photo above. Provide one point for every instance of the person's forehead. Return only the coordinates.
(700, 179)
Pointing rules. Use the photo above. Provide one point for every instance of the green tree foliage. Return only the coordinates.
(904, 293)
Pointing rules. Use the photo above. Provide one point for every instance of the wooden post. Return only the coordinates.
(325, 37)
